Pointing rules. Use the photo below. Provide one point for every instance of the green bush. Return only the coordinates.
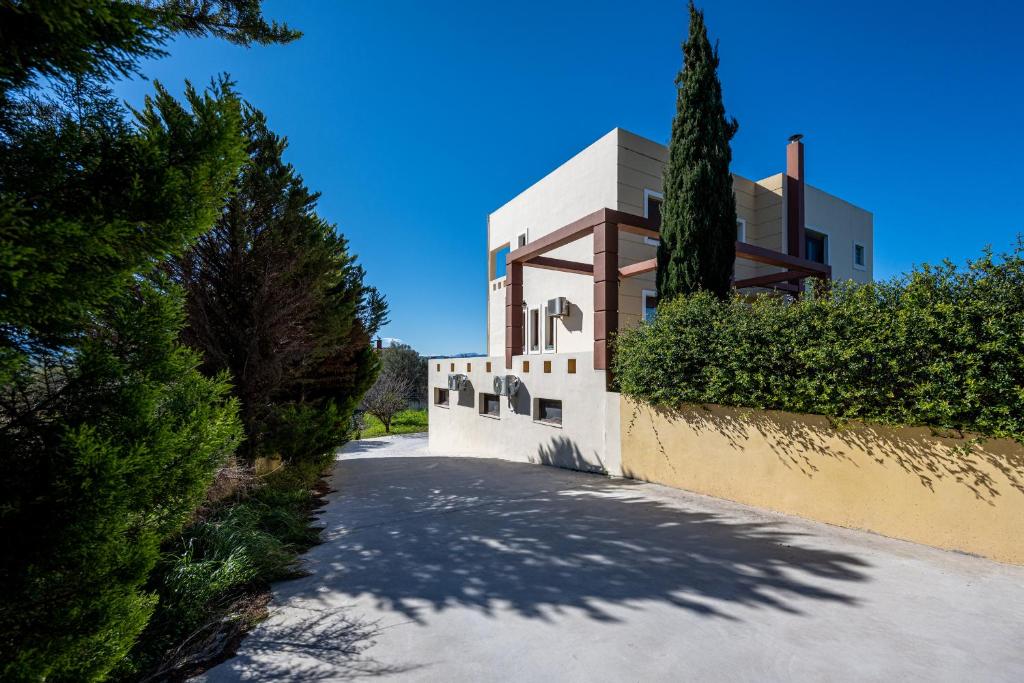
(232, 550)
(942, 347)
(119, 450)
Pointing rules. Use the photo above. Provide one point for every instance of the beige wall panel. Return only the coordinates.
(905, 483)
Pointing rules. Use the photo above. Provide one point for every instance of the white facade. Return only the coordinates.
(620, 171)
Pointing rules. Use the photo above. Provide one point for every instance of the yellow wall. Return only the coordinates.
(906, 483)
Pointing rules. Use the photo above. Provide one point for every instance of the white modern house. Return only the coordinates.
(571, 260)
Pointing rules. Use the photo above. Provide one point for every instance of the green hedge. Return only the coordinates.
(942, 346)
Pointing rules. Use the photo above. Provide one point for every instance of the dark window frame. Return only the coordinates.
(486, 400)
(544, 404)
(438, 393)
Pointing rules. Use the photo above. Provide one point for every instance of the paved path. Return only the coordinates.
(466, 569)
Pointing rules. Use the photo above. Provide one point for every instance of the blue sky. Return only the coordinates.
(415, 120)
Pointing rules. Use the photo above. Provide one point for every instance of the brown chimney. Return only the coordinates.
(795, 216)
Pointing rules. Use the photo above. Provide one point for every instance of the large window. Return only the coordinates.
(549, 411)
(500, 266)
(816, 246)
(649, 302)
(490, 405)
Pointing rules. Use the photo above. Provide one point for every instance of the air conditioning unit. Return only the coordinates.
(558, 307)
(506, 385)
(456, 382)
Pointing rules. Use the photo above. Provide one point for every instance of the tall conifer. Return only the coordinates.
(698, 231)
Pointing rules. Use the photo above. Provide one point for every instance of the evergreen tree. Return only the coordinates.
(109, 434)
(698, 231)
(276, 299)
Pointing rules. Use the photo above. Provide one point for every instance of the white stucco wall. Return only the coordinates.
(588, 438)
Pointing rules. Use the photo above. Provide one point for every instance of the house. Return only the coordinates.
(571, 260)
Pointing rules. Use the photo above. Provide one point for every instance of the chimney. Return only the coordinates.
(795, 216)
(380, 344)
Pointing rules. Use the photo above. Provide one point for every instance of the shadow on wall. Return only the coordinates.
(467, 395)
(798, 439)
(564, 453)
(494, 535)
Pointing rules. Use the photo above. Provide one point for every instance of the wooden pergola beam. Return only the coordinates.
(560, 265)
(638, 268)
(770, 279)
(752, 252)
(559, 238)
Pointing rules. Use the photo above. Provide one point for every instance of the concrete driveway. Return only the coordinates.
(466, 569)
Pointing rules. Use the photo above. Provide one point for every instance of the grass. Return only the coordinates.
(405, 422)
(213, 580)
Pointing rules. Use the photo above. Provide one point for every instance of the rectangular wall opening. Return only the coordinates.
(490, 405)
(548, 411)
(441, 397)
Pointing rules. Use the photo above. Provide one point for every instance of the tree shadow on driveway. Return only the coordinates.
(430, 533)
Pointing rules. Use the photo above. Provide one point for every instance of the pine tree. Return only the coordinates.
(109, 434)
(698, 231)
(276, 299)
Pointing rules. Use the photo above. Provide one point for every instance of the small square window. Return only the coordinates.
(521, 240)
(547, 367)
(439, 367)
(652, 210)
(469, 367)
(488, 364)
(441, 397)
(571, 369)
(453, 367)
(860, 256)
(549, 411)
(526, 366)
(490, 405)
(649, 302)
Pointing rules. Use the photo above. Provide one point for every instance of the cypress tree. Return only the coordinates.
(109, 434)
(698, 231)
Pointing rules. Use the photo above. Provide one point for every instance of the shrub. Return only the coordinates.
(207, 575)
(116, 453)
(940, 347)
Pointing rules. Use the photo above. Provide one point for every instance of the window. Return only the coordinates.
(521, 240)
(741, 230)
(549, 331)
(649, 302)
(549, 411)
(441, 397)
(816, 246)
(652, 209)
(860, 256)
(490, 405)
(534, 330)
(499, 266)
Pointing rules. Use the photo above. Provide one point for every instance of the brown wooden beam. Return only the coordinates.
(765, 280)
(752, 252)
(560, 265)
(513, 313)
(606, 291)
(638, 268)
(558, 238)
